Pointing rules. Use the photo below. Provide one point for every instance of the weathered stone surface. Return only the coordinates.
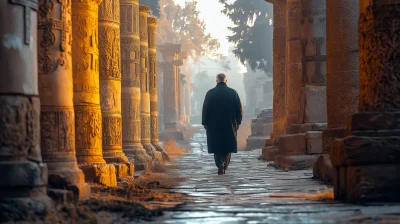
(130, 69)
(366, 121)
(267, 129)
(63, 196)
(255, 142)
(110, 80)
(314, 142)
(104, 174)
(303, 128)
(312, 104)
(124, 169)
(269, 153)
(323, 169)
(329, 136)
(296, 162)
(293, 145)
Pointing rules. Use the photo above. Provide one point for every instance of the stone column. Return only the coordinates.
(144, 82)
(366, 161)
(57, 121)
(23, 180)
(88, 121)
(279, 107)
(342, 85)
(152, 25)
(306, 91)
(130, 61)
(170, 74)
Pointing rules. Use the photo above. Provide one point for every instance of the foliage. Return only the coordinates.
(182, 25)
(252, 31)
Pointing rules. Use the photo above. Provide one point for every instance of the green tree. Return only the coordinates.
(252, 31)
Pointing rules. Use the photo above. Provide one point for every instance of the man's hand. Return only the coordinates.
(205, 127)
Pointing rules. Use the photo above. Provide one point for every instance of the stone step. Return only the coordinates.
(295, 144)
(295, 162)
(256, 142)
(269, 153)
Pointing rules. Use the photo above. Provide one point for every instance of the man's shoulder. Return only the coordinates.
(232, 90)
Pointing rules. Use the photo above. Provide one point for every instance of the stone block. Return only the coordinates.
(303, 128)
(267, 129)
(374, 121)
(268, 142)
(255, 142)
(124, 169)
(358, 150)
(61, 195)
(23, 174)
(81, 191)
(295, 162)
(323, 169)
(314, 142)
(373, 183)
(269, 153)
(256, 129)
(293, 144)
(312, 104)
(104, 174)
(329, 136)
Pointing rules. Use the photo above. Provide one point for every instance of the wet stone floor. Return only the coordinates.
(253, 192)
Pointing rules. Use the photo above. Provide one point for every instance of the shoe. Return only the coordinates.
(220, 171)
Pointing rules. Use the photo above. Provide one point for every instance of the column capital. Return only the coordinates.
(144, 9)
(169, 51)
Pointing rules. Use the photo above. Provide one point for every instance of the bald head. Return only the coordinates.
(221, 78)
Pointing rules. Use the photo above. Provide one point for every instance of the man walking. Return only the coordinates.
(222, 115)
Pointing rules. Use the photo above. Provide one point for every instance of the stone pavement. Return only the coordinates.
(253, 192)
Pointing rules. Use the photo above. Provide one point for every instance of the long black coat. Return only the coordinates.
(222, 113)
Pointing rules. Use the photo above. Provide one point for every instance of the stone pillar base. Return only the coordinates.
(104, 174)
(323, 169)
(150, 150)
(24, 206)
(298, 162)
(329, 136)
(115, 157)
(367, 168)
(124, 169)
(160, 149)
(142, 161)
(269, 153)
(71, 180)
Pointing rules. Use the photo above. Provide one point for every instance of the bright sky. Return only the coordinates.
(216, 23)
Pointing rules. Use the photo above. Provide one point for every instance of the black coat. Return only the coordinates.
(222, 113)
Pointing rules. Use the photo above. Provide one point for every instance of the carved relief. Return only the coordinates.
(317, 77)
(28, 5)
(153, 106)
(131, 66)
(154, 128)
(109, 49)
(112, 131)
(110, 98)
(379, 43)
(48, 59)
(19, 127)
(145, 129)
(144, 70)
(57, 131)
(88, 128)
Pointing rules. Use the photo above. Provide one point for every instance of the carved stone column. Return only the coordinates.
(57, 121)
(170, 53)
(342, 86)
(306, 91)
(152, 25)
(23, 181)
(279, 107)
(367, 161)
(88, 120)
(144, 82)
(130, 61)
(110, 86)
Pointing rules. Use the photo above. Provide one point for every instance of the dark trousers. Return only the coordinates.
(222, 160)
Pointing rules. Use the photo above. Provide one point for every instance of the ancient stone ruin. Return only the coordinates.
(261, 128)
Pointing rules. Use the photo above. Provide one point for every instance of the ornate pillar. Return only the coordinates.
(88, 121)
(57, 121)
(306, 91)
(144, 82)
(23, 181)
(342, 85)
(130, 61)
(366, 161)
(152, 25)
(279, 107)
(170, 53)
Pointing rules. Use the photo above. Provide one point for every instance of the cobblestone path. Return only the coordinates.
(252, 192)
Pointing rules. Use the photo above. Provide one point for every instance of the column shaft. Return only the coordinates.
(110, 80)
(56, 96)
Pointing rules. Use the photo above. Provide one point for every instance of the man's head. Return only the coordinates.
(221, 78)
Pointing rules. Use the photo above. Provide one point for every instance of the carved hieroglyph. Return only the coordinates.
(85, 53)
(130, 62)
(144, 80)
(23, 173)
(170, 75)
(110, 80)
(57, 120)
(151, 23)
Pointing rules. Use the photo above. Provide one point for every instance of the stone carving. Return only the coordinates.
(88, 129)
(131, 65)
(109, 52)
(317, 76)
(57, 130)
(112, 131)
(48, 62)
(145, 126)
(154, 129)
(28, 5)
